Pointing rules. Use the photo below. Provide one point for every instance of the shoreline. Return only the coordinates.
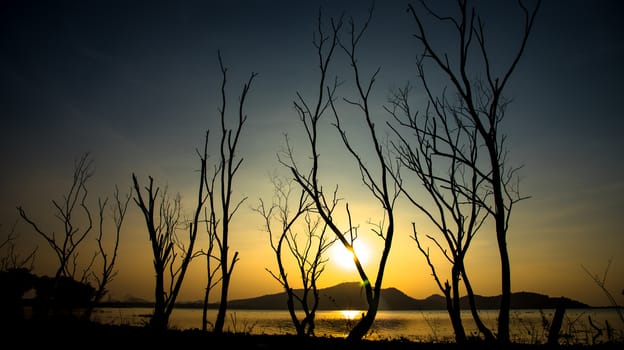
(71, 334)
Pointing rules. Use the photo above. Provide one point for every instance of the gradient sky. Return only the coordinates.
(136, 83)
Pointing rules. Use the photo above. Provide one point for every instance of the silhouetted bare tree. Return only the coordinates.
(108, 272)
(601, 282)
(382, 185)
(307, 245)
(213, 263)
(11, 259)
(76, 218)
(162, 218)
(442, 153)
(215, 188)
(225, 171)
(479, 106)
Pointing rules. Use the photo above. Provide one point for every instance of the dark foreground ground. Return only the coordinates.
(81, 335)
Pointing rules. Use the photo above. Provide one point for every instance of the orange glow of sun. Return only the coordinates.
(342, 257)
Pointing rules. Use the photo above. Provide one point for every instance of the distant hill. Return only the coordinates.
(350, 295)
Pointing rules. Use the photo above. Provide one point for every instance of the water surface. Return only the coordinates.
(527, 326)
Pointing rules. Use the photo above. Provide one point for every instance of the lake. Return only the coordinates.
(527, 326)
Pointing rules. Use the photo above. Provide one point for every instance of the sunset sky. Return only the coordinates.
(136, 83)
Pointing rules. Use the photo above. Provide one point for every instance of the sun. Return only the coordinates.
(343, 258)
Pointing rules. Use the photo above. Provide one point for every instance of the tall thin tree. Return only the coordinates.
(213, 263)
(162, 218)
(481, 104)
(442, 153)
(75, 215)
(108, 257)
(301, 233)
(382, 185)
(228, 165)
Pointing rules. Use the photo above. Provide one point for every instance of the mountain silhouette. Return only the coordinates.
(350, 296)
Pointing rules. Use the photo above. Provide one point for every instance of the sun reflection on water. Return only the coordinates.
(349, 314)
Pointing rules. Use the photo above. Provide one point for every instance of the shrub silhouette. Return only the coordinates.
(61, 295)
(14, 283)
